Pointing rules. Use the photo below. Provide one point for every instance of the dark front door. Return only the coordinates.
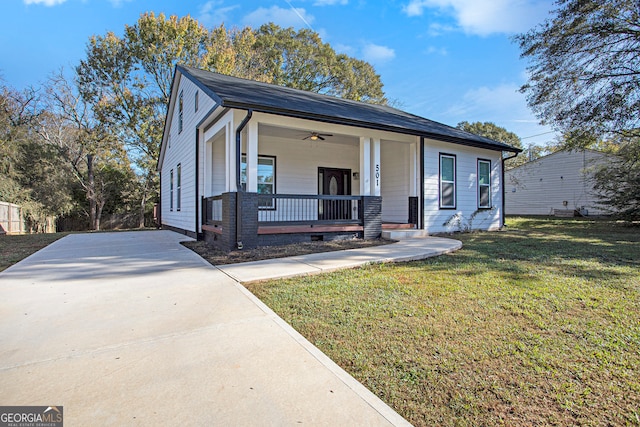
(334, 182)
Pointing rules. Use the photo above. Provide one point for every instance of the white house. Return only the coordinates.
(244, 164)
(559, 182)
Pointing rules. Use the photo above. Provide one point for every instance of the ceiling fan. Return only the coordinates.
(314, 136)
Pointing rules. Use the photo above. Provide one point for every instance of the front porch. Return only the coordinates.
(239, 220)
(272, 182)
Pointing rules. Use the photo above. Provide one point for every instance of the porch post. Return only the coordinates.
(413, 169)
(252, 157)
(372, 217)
(230, 158)
(375, 167)
(365, 166)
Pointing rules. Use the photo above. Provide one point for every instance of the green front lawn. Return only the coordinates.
(536, 325)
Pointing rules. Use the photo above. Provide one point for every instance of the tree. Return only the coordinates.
(497, 133)
(585, 81)
(585, 67)
(87, 146)
(127, 80)
(31, 174)
(302, 61)
(618, 184)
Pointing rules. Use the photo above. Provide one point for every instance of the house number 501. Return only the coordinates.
(377, 175)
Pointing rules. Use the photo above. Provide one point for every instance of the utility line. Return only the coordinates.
(540, 134)
(299, 15)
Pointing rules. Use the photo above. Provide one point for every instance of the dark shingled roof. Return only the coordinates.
(233, 92)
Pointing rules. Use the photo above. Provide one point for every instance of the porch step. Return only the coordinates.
(397, 226)
(403, 234)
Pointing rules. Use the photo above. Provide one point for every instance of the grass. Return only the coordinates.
(14, 248)
(537, 325)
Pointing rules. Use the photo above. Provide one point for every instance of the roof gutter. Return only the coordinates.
(239, 190)
(502, 212)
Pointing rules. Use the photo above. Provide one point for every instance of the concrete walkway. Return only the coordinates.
(132, 328)
(404, 250)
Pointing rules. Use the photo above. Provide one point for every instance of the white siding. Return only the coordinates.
(539, 187)
(181, 150)
(218, 165)
(394, 181)
(466, 188)
(297, 162)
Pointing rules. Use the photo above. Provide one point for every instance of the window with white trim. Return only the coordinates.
(178, 186)
(447, 181)
(180, 109)
(266, 178)
(484, 184)
(171, 190)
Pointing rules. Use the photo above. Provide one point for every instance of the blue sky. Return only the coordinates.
(446, 60)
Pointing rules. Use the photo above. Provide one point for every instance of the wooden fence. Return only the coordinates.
(11, 219)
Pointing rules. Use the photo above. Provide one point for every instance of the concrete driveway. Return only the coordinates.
(132, 328)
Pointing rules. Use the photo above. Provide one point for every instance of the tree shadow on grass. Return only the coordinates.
(571, 252)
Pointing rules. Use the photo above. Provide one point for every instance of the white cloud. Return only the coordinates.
(330, 2)
(432, 50)
(118, 3)
(437, 29)
(486, 101)
(292, 17)
(484, 17)
(212, 13)
(344, 48)
(45, 2)
(415, 8)
(377, 54)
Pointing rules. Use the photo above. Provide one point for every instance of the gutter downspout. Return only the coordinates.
(198, 206)
(502, 212)
(421, 199)
(238, 183)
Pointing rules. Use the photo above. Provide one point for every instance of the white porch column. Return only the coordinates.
(230, 158)
(375, 167)
(413, 169)
(252, 157)
(207, 165)
(365, 166)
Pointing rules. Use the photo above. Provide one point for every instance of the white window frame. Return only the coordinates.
(178, 186)
(180, 111)
(443, 182)
(486, 185)
(243, 178)
(171, 190)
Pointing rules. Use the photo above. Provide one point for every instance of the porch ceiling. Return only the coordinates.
(298, 134)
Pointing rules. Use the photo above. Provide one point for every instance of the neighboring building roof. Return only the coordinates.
(233, 92)
(550, 156)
